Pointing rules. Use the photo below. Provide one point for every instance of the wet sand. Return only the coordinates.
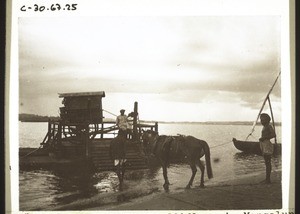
(243, 193)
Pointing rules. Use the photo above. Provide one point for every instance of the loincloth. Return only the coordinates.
(266, 147)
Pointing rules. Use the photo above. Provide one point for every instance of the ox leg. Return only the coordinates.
(194, 170)
(202, 168)
(165, 174)
(119, 174)
(123, 171)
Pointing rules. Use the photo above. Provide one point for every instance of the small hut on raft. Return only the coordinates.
(83, 135)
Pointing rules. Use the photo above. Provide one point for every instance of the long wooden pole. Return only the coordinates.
(272, 118)
(262, 107)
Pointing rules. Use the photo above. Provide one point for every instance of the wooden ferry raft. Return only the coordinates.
(82, 136)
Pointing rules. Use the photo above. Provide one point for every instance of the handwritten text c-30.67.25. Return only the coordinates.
(52, 7)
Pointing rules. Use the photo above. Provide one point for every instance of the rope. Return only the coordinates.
(251, 135)
(221, 144)
(31, 152)
(109, 112)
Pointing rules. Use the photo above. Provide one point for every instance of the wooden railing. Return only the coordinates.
(58, 130)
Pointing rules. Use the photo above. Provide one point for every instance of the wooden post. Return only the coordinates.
(53, 130)
(101, 110)
(134, 136)
(49, 130)
(89, 109)
(59, 131)
(156, 126)
(87, 140)
(102, 127)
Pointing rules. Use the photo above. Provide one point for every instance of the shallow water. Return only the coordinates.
(79, 188)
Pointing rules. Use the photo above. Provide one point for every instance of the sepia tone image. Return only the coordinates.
(150, 113)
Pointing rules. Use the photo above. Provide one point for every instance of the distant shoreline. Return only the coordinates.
(35, 118)
(39, 119)
(247, 123)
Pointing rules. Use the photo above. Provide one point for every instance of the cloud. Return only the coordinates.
(187, 60)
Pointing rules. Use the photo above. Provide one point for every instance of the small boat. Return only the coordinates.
(247, 146)
(253, 147)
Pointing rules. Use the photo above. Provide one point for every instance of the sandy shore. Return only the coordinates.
(244, 193)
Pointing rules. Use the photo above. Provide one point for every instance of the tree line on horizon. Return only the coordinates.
(35, 118)
(23, 117)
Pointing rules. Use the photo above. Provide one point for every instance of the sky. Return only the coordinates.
(178, 68)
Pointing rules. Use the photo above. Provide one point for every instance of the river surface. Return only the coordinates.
(79, 188)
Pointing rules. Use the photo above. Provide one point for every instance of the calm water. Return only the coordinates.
(76, 189)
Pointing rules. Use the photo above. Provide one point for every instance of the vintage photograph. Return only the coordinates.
(182, 107)
(150, 113)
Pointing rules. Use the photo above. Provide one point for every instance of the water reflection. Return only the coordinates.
(249, 163)
(60, 187)
(78, 183)
(79, 187)
(106, 182)
(71, 189)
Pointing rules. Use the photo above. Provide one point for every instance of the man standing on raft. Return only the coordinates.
(122, 123)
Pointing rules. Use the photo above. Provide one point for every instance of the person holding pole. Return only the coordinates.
(266, 146)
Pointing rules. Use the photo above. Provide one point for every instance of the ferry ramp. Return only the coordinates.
(101, 159)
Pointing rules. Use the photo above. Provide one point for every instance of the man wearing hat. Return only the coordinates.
(122, 123)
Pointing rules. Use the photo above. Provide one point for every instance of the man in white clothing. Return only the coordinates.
(122, 123)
